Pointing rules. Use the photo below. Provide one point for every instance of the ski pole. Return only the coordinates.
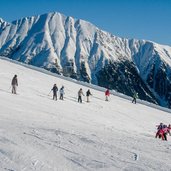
(10, 87)
(49, 92)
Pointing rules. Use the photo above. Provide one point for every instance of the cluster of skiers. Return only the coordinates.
(14, 84)
(163, 130)
(80, 94)
(55, 90)
(61, 92)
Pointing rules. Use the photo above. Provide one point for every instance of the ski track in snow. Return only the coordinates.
(37, 133)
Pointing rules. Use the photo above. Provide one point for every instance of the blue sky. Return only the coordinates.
(140, 19)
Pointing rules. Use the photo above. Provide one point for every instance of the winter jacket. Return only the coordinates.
(80, 92)
(165, 130)
(88, 93)
(135, 95)
(55, 89)
(160, 132)
(61, 91)
(14, 81)
(107, 93)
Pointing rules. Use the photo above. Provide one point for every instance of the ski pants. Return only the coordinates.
(88, 99)
(61, 96)
(14, 88)
(79, 99)
(134, 100)
(107, 98)
(54, 96)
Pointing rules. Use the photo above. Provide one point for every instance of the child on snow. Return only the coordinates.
(88, 93)
(162, 131)
(61, 91)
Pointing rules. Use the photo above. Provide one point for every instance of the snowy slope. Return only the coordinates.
(37, 133)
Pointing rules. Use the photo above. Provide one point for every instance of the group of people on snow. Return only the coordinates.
(55, 90)
(14, 84)
(162, 131)
(80, 94)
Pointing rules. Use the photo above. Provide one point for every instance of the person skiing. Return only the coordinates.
(54, 89)
(169, 129)
(61, 91)
(135, 96)
(80, 93)
(14, 84)
(160, 134)
(165, 132)
(107, 94)
(88, 93)
(162, 131)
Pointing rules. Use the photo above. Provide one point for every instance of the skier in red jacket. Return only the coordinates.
(107, 94)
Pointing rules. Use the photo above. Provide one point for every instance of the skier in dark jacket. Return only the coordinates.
(14, 84)
(55, 90)
(88, 93)
(80, 93)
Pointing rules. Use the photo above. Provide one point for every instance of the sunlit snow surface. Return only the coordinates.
(39, 134)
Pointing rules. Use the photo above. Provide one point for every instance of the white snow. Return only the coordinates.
(37, 133)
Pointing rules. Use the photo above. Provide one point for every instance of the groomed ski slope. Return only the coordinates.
(39, 134)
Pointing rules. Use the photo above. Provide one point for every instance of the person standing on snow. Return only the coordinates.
(165, 132)
(14, 84)
(55, 90)
(88, 93)
(107, 94)
(169, 129)
(80, 93)
(61, 91)
(135, 96)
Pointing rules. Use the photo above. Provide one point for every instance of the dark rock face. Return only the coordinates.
(159, 79)
(124, 78)
(83, 73)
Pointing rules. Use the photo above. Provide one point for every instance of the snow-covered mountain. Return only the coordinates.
(78, 49)
(39, 134)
